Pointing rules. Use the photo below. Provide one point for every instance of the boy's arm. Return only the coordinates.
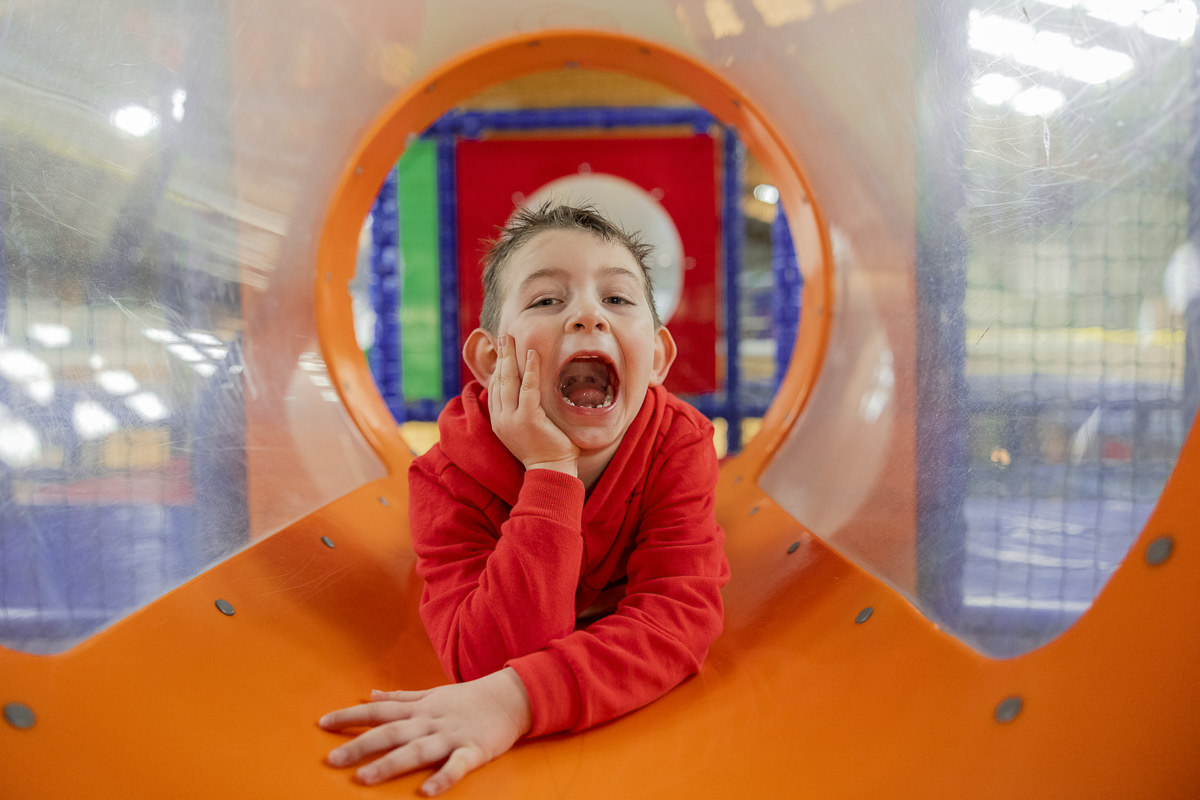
(492, 595)
(671, 613)
(487, 600)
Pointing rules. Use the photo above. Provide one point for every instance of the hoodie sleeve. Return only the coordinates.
(670, 615)
(494, 590)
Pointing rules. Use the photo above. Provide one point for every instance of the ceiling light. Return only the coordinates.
(50, 334)
(135, 120)
(92, 420)
(148, 406)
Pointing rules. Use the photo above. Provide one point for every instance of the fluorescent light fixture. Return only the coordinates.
(203, 337)
(766, 193)
(185, 352)
(147, 405)
(217, 353)
(41, 391)
(1167, 19)
(1174, 21)
(92, 420)
(161, 335)
(1038, 101)
(205, 368)
(19, 443)
(320, 380)
(1095, 64)
(329, 396)
(21, 366)
(135, 120)
(723, 19)
(117, 381)
(311, 362)
(178, 98)
(1052, 52)
(50, 334)
(995, 89)
(96, 361)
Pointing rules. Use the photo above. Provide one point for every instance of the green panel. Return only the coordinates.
(420, 317)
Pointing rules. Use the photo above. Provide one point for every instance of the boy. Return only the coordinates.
(564, 523)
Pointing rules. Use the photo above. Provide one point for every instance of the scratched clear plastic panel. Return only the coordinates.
(1013, 366)
(1005, 186)
(162, 399)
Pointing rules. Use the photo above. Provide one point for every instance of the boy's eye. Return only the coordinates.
(543, 301)
(617, 300)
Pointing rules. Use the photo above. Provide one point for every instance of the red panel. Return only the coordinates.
(491, 173)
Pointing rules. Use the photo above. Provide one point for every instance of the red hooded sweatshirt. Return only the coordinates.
(516, 563)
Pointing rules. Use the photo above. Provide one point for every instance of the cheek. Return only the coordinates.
(531, 341)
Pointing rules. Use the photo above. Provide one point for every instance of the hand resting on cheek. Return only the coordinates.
(518, 419)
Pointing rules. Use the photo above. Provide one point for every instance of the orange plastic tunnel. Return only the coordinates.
(961, 542)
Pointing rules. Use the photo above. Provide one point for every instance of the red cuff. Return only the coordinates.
(553, 495)
(553, 690)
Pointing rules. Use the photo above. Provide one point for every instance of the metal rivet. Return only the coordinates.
(1159, 550)
(225, 607)
(793, 547)
(864, 615)
(572, 65)
(358, 170)
(1008, 709)
(383, 501)
(753, 511)
(19, 715)
(325, 540)
(737, 478)
(328, 277)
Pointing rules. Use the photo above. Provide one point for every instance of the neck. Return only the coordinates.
(592, 466)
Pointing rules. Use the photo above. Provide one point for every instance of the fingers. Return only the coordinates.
(531, 382)
(402, 696)
(460, 762)
(505, 380)
(392, 735)
(423, 752)
(366, 714)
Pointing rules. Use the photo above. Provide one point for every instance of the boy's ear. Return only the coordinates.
(664, 356)
(480, 355)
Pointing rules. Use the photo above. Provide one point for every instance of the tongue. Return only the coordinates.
(585, 394)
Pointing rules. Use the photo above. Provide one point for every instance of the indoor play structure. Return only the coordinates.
(961, 540)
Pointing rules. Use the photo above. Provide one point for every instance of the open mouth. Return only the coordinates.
(588, 382)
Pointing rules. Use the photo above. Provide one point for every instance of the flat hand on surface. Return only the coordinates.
(462, 726)
(515, 405)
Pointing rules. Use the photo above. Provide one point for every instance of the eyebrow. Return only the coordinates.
(557, 272)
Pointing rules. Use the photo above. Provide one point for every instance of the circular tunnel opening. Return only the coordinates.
(657, 142)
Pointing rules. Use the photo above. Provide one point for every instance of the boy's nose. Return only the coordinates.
(588, 318)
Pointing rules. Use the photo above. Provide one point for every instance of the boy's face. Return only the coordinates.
(580, 303)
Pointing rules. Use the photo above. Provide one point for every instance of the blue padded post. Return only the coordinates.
(732, 238)
(447, 177)
(785, 302)
(385, 296)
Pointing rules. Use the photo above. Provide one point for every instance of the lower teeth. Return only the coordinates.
(608, 399)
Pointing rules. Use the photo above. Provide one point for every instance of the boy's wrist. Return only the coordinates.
(566, 466)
